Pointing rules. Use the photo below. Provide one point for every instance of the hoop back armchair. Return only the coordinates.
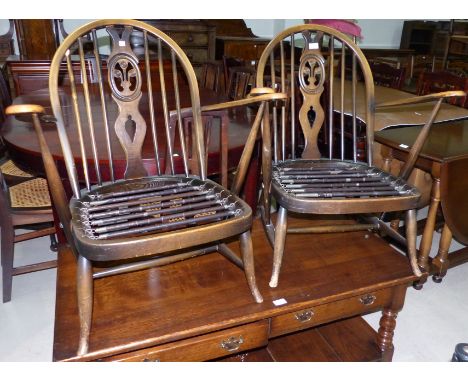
(139, 215)
(306, 176)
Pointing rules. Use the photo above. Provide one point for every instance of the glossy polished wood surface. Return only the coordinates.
(18, 132)
(200, 296)
(396, 116)
(446, 140)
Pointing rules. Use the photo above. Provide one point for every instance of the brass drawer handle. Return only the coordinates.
(232, 343)
(304, 316)
(368, 299)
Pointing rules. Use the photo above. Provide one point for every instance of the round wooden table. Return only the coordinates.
(23, 148)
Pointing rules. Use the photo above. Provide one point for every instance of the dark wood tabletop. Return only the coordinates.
(23, 147)
(446, 140)
(207, 294)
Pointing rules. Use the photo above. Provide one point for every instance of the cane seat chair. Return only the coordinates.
(137, 214)
(24, 205)
(336, 181)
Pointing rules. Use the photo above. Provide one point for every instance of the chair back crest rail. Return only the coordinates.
(129, 73)
(305, 60)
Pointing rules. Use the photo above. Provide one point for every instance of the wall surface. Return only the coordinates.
(377, 33)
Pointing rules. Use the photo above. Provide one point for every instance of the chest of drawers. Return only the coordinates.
(195, 37)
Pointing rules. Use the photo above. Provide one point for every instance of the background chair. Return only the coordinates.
(228, 63)
(241, 80)
(212, 76)
(430, 82)
(25, 205)
(211, 120)
(126, 219)
(386, 75)
(331, 182)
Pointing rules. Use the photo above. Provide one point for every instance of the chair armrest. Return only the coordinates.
(421, 99)
(24, 109)
(255, 96)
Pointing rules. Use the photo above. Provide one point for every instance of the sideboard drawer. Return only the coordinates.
(196, 55)
(205, 347)
(316, 315)
(190, 38)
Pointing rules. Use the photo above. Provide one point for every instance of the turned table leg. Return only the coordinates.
(385, 334)
(387, 323)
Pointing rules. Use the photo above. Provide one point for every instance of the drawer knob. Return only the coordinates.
(304, 316)
(232, 343)
(368, 299)
(190, 38)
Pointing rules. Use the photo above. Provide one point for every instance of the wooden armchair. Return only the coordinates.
(137, 216)
(332, 182)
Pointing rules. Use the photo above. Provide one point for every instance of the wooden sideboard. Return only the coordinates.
(195, 37)
(201, 309)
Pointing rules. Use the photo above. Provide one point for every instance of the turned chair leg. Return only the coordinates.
(411, 233)
(246, 248)
(278, 249)
(85, 301)
(7, 248)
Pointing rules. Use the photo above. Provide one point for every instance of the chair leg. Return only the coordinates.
(278, 249)
(53, 243)
(249, 267)
(7, 248)
(441, 262)
(84, 278)
(411, 233)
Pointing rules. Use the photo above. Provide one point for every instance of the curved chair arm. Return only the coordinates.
(422, 136)
(59, 198)
(421, 99)
(255, 96)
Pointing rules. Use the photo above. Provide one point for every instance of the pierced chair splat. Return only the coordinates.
(329, 180)
(137, 216)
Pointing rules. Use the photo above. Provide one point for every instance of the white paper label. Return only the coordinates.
(403, 146)
(313, 45)
(121, 43)
(279, 302)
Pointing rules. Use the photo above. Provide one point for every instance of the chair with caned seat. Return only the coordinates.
(24, 205)
(137, 215)
(332, 182)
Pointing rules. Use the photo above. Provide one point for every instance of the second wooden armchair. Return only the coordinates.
(126, 219)
(304, 180)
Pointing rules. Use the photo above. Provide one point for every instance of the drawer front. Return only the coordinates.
(190, 38)
(316, 315)
(196, 55)
(206, 347)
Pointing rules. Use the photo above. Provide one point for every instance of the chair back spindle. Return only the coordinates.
(141, 87)
(322, 97)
